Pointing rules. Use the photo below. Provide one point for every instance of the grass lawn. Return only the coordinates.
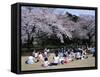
(89, 62)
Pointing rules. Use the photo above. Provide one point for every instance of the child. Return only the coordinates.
(45, 54)
(40, 57)
(65, 59)
(78, 55)
(61, 60)
(46, 63)
(84, 54)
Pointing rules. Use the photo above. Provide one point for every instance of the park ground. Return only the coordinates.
(89, 62)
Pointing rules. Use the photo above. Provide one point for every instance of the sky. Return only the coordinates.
(76, 11)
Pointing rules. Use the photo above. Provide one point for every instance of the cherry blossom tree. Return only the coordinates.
(39, 24)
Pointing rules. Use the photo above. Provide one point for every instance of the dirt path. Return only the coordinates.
(89, 62)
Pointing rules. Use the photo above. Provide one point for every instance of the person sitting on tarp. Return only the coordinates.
(30, 60)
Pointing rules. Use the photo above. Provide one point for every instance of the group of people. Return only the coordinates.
(38, 56)
(61, 56)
